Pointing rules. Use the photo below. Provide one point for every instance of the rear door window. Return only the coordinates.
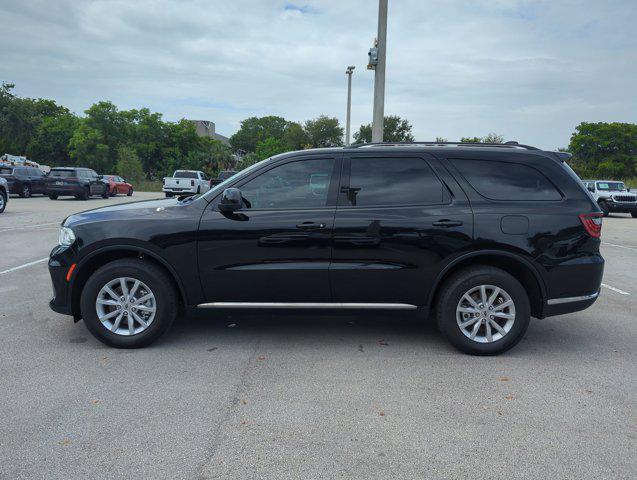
(390, 181)
(62, 173)
(509, 181)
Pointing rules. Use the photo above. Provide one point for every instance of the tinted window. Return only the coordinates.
(6, 171)
(184, 174)
(62, 173)
(392, 181)
(507, 181)
(293, 185)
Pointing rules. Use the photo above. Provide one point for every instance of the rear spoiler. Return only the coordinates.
(562, 156)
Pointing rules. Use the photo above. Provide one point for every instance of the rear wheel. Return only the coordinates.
(105, 194)
(86, 193)
(114, 192)
(169, 195)
(26, 191)
(53, 197)
(198, 190)
(3, 200)
(633, 213)
(129, 303)
(605, 208)
(483, 310)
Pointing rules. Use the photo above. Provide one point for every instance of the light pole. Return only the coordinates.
(348, 72)
(379, 76)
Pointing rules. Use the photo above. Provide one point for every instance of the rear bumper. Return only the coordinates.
(178, 190)
(561, 306)
(64, 189)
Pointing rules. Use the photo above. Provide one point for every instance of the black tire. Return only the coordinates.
(198, 190)
(26, 191)
(605, 208)
(462, 282)
(633, 213)
(106, 194)
(114, 192)
(157, 281)
(3, 200)
(53, 197)
(86, 193)
(130, 192)
(169, 195)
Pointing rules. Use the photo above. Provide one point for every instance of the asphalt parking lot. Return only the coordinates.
(309, 396)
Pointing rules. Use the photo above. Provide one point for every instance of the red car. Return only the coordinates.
(118, 185)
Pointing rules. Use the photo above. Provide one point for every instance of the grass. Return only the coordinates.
(148, 186)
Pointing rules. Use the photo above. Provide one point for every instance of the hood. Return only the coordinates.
(124, 211)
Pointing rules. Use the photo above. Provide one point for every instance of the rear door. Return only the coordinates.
(399, 218)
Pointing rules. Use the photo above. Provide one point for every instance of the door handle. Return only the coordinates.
(446, 223)
(310, 226)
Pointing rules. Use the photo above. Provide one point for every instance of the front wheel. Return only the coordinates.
(129, 303)
(169, 195)
(106, 194)
(633, 213)
(53, 197)
(605, 208)
(3, 201)
(130, 192)
(483, 310)
(114, 192)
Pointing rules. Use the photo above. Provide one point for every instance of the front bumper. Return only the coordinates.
(621, 207)
(60, 261)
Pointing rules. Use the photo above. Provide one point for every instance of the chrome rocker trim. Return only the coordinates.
(557, 301)
(393, 306)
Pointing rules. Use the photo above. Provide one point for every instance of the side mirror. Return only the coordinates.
(591, 189)
(231, 200)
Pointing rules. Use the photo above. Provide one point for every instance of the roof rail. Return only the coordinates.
(443, 144)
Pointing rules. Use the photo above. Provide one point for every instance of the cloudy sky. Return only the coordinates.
(530, 70)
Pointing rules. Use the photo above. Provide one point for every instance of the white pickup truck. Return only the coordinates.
(186, 182)
(612, 196)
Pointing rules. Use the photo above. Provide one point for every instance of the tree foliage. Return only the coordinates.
(129, 165)
(604, 150)
(395, 129)
(489, 138)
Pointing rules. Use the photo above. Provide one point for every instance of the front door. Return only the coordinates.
(400, 216)
(277, 248)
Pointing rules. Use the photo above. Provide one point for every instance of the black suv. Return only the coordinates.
(80, 183)
(481, 236)
(24, 181)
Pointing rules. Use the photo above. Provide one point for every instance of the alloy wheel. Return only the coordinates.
(485, 313)
(126, 306)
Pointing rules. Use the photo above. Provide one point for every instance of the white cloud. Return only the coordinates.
(531, 70)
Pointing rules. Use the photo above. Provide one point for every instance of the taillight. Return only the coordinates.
(192, 183)
(592, 223)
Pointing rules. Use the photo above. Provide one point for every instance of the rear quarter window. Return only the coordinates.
(497, 180)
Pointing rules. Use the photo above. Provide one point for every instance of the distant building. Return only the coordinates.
(206, 128)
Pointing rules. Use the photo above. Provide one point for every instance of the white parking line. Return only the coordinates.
(20, 227)
(619, 246)
(23, 266)
(615, 289)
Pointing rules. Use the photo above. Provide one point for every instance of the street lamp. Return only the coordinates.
(348, 72)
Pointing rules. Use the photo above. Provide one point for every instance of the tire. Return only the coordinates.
(53, 197)
(26, 191)
(86, 193)
(633, 213)
(605, 208)
(169, 195)
(3, 200)
(198, 190)
(130, 192)
(106, 194)
(114, 192)
(452, 296)
(158, 283)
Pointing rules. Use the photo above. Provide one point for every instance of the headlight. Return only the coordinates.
(67, 237)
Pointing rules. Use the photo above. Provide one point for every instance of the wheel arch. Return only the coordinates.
(102, 256)
(521, 268)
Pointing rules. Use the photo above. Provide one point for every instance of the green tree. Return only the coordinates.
(270, 147)
(295, 137)
(49, 144)
(324, 132)
(129, 165)
(604, 150)
(395, 129)
(489, 138)
(254, 130)
(88, 148)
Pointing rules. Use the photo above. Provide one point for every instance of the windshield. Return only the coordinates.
(611, 186)
(184, 174)
(62, 173)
